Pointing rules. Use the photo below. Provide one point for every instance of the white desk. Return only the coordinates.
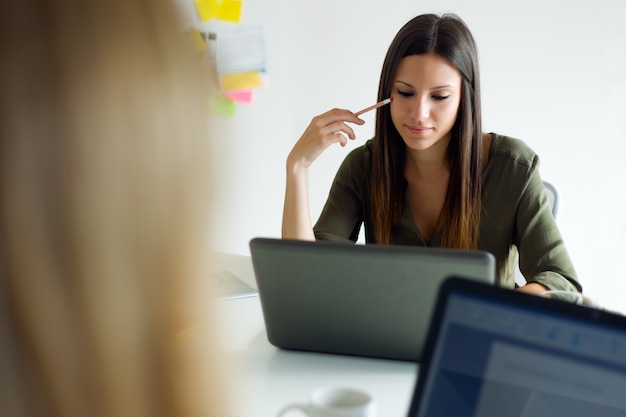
(266, 378)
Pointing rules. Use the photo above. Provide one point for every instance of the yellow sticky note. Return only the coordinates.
(230, 10)
(222, 105)
(207, 9)
(241, 80)
(198, 41)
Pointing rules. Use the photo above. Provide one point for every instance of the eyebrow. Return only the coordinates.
(439, 87)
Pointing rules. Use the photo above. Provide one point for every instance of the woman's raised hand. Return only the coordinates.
(323, 131)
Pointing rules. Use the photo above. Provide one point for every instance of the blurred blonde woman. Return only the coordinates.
(104, 190)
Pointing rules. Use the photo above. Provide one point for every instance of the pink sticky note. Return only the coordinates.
(240, 96)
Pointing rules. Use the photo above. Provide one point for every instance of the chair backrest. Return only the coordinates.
(553, 197)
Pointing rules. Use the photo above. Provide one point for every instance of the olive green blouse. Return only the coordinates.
(516, 215)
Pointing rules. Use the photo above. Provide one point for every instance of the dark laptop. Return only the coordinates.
(494, 352)
(364, 300)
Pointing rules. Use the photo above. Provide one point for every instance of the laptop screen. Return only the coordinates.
(521, 356)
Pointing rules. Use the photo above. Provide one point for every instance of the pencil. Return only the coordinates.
(375, 106)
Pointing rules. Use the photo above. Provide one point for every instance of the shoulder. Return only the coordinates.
(359, 160)
(363, 152)
(511, 167)
(511, 153)
(506, 148)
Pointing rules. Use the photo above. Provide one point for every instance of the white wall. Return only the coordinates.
(553, 74)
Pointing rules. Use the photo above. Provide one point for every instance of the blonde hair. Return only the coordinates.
(104, 203)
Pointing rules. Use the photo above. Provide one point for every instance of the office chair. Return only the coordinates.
(553, 198)
(553, 201)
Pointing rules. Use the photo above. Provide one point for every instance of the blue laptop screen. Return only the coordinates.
(493, 358)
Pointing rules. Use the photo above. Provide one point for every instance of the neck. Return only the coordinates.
(426, 163)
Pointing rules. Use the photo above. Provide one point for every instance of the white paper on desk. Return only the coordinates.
(240, 49)
(226, 286)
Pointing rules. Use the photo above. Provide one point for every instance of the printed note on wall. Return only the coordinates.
(240, 49)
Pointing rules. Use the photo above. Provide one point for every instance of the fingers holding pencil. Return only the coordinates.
(334, 120)
(326, 129)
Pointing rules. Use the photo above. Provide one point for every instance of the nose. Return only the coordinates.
(419, 108)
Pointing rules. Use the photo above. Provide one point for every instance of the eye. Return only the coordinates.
(441, 97)
(405, 93)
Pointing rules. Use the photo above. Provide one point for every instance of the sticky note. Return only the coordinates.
(230, 10)
(223, 106)
(241, 80)
(240, 96)
(207, 9)
(198, 40)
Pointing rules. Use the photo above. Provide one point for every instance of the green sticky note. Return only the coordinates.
(223, 106)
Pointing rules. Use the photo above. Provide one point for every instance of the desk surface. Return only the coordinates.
(266, 378)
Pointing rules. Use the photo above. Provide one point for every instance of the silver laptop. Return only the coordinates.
(363, 300)
(496, 352)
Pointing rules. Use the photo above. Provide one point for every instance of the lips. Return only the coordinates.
(418, 130)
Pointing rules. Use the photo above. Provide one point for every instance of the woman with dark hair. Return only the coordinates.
(430, 176)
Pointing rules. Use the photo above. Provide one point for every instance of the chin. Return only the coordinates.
(419, 144)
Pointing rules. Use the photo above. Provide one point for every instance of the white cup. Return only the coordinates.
(335, 402)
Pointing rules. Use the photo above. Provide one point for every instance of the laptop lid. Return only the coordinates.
(497, 352)
(364, 300)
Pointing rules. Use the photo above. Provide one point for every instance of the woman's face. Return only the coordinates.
(426, 95)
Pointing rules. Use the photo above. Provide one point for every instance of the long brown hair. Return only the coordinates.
(449, 37)
(104, 177)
